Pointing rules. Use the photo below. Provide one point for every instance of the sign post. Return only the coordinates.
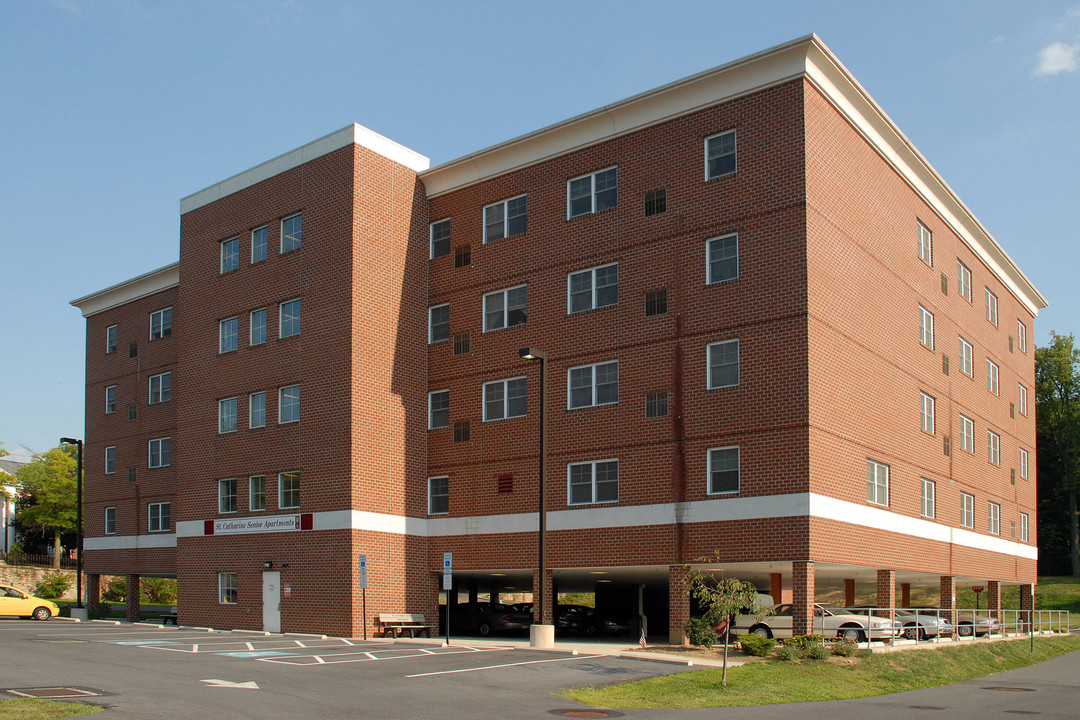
(448, 585)
(977, 589)
(363, 591)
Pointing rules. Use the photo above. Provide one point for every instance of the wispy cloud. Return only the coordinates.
(1058, 57)
(69, 6)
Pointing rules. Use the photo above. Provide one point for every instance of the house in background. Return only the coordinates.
(9, 487)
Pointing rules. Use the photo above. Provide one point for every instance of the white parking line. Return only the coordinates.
(372, 656)
(496, 667)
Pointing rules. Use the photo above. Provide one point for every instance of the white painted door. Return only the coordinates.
(272, 601)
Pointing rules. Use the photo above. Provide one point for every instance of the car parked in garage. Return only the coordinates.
(17, 602)
(484, 619)
(829, 620)
(969, 623)
(916, 624)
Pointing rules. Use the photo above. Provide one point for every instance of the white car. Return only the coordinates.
(829, 620)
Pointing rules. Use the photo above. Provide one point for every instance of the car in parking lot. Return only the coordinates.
(17, 602)
(917, 624)
(580, 619)
(969, 623)
(829, 620)
(484, 619)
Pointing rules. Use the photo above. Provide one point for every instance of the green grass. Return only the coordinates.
(28, 709)
(773, 682)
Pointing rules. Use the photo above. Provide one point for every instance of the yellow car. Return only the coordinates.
(15, 602)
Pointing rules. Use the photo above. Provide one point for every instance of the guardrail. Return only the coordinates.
(42, 561)
(966, 624)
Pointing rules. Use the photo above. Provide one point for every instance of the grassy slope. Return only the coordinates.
(28, 709)
(1052, 593)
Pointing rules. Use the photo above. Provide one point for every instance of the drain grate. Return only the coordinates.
(54, 693)
(1006, 688)
(926, 707)
(586, 713)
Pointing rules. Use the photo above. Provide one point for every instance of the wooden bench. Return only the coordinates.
(394, 624)
(168, 619)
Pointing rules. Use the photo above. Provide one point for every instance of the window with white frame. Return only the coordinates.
(438, 409)
(991, 376)
(723, 358)
(720, 155)
(506, 218)
(289, 318)
(877, 482)
(228, 335)
(991, 307)
(967, 361)
(993, 442)
(230, 255)
(257, 492)
(967, 510)
(993, 518)
(723, 470)
(289, 404)
(926, 327)
(439, 234)
(1023, 463)
(1022, 397)
(227, 495)
(438, 495)
(260, 241)
(929, 490)
(227, 415)
(160, 452)
(504, 399)
(257, 410)
(111, 338)
(110, 399)
(927, 413)
(596, 384)
(1023, 527)
(506, 308)
(926, 240)
(288, 490)
(439, 323)
(160, 388)
(110, 460)
(160, 517)
(593, 288)
(227, 588)
(722, 258)
(592, 482)
(1021, 335)
(592, 193)
(292, 233)
(963, 280)
(257, 333)
(110, 521)
(161, 324)
(967, 433)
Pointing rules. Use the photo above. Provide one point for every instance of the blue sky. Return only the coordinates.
(112, 110)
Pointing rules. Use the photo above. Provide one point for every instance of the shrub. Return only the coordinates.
(817, 652)
(787, 653)
(803, 643)
(116, 590)
(700, 632)
(157, 591)
(844, 648)
(53, 587)
(757, 645)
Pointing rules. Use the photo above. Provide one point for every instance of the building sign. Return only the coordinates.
(274, 523)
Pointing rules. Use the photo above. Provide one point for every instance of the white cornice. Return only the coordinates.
(138, 287)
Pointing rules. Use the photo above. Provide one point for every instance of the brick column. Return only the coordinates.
(93, 593)
(905, 595)
(1027, 607)
(133, 598)
(886, 591)
(849, 592)
(802, 597)
(947, 598)
(678, 604)
(776, 589)
(993, 598)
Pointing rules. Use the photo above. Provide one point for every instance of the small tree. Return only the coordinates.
(723, 598)
(47, 497)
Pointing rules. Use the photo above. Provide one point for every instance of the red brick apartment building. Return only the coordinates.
(772, 331)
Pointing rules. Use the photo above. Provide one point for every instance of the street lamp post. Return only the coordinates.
(78, 519)
(541, 634)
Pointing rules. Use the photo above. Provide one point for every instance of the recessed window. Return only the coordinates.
(505, 308)
(228, 335)
(133, 349)
(593, 288)
(257, 492)
(1023, 527)
(289, 404)
(160, 517)
(258, 327)
(592, 193)
(110, 399)
(929, 490)
(723, 469)
(504, 399)
(292, 233)
(260, 241)
(133, 411)
(655, 303)
(927, 413)
(991, 376)
(133, 474)
(720, 155)
(227, 588)
(461, 343)
(288, 490)
(257, 410)
(289, 318)
(993, 518)
(439, 323)
(967, 430)
(967, 363)
(590, 385)
(926, 327)
(1021, 336)
(926, 246)
(993, 447)
(723, 364)
(1022, 398)
(227, 415)
(440, 238)
(991, 307)
(462, 255)
(110, 521)
(110, 460)
(438, 409)
(230, 255)
(461, 431)
(160, 388)
(111, 338)
(1023, 463)
(161, 324)
(592, 482)
(506, 218)
(877, 482)
(227, 496)
(722, 258)
(656, 404)
(438, 495)
(655, 202)
(963, 280)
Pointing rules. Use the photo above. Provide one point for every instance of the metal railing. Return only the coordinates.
(923, 625)
(42, 561)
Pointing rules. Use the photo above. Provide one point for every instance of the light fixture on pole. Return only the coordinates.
(541, 634)
(78, 519)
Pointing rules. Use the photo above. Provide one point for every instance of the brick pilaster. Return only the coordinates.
(679, 604)
(802, 597)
